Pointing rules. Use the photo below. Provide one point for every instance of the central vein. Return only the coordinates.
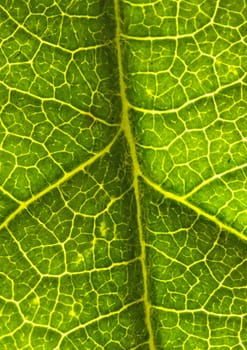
(126, 127)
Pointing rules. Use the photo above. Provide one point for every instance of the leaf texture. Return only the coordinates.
(123, 175)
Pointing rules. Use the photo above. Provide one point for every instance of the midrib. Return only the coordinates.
(126, 127)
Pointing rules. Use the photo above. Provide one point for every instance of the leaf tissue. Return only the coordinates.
(123, 177)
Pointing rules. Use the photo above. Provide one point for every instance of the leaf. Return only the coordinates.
(123, 175)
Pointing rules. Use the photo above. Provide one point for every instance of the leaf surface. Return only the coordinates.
(123, 175)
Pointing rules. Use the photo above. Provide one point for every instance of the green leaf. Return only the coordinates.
(123, 181)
